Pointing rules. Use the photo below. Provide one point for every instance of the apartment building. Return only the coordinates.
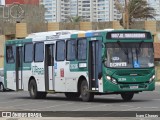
(50, 9)
(89, 10)
(56, 10)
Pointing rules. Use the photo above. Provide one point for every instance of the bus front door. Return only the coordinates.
(49, 67)
(19, 65)
(94, 64)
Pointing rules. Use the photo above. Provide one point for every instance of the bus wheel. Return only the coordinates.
(34, 94)
(85, 94)
(1, 87)
(71, 95)
(127, 96)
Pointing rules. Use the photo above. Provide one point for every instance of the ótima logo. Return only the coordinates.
(16, 10)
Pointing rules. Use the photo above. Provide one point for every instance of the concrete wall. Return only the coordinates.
(2, 41)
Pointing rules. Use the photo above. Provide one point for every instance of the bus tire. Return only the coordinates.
(85, 94)
(127, 96)
(34, 94)
(1, 87)
(71, 95)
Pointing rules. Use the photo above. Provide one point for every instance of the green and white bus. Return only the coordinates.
(81, 63)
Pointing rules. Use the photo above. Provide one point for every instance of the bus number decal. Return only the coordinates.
(37, 70)
(121, 79)
(73, 66)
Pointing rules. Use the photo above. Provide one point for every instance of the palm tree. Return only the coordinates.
(74, 19)
(135, 10)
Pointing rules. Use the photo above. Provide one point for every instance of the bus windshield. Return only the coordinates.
(129, 55)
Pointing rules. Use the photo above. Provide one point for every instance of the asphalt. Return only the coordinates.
(20, 101)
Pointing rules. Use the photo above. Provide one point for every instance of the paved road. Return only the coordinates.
(20, 101)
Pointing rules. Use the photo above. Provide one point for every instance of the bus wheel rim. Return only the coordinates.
(32, 90)
(84, 90)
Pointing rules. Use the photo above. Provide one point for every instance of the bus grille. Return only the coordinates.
(132, 72)
(141, 86)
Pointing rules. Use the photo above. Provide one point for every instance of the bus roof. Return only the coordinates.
(52, 35)
(133, 30)
(64, 34)
(60, 32)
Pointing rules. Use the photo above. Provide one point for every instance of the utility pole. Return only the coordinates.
(126, 16)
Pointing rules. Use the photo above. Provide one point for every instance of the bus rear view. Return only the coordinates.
(128, 63)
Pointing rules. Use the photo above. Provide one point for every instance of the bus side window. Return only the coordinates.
(28, 52)
(60, 50)
(10, 54)
(39, 52)
(71, 50)
(82, 49)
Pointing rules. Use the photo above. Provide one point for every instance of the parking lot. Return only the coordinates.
(20, 101)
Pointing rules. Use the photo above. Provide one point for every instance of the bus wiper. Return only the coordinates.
(139, 47)
(125, 51)
(140, 44)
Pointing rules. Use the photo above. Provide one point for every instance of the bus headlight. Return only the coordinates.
(111, 79)
(152, 78)
(108, 78)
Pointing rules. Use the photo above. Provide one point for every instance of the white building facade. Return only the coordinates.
(89, 10)
(51, 9)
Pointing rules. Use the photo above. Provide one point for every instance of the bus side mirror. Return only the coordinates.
(103, 52)
(104, 56)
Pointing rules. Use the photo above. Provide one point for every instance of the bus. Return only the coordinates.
(81, 63)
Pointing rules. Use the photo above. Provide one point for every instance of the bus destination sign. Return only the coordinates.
(127, 35)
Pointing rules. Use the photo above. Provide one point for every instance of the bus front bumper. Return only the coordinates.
(111, 87)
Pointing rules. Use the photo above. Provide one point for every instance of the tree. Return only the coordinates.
(74, 19)
(134, 10)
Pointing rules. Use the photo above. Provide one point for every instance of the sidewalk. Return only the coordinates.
(158, 83)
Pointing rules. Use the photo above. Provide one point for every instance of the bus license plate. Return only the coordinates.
(134, 87)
